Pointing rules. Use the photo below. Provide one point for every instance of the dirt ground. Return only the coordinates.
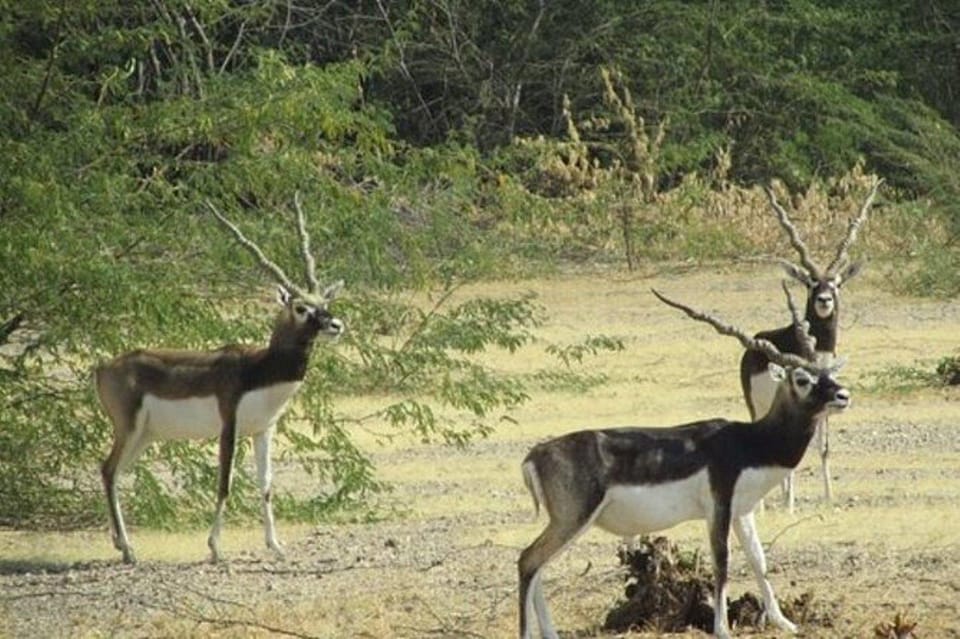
(445, 567)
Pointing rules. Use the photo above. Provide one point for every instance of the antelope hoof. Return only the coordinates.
(781, 622)
(786, 625)
(277, 549)
(128, 556)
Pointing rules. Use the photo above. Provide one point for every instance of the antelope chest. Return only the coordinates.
(199, 417)
(259, 409)
(752, 485)
(629, 510)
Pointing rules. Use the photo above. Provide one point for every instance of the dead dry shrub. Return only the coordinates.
(671, 591)
(821, 213)
(664, 591)
(900, 628)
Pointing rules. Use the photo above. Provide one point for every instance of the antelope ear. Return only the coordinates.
(777, 372)
(331, 292)
(798, 274)
(848, 273)
(283, 296)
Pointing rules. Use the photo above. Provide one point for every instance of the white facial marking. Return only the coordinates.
(825, 302)
(336, 327)
(633, 510)
(302, 311)
(803, 382)
(840, 402)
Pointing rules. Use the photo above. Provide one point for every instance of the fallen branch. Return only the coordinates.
(226, 622)
(190, 613)
(441, 632)
(446, 628)
(780, 533)
(54, 593)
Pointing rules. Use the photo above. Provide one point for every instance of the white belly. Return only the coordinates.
(752, 485)
(635, 510)
(763, 389)
(199, 417)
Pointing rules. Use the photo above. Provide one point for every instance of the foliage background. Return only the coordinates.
(434, 142)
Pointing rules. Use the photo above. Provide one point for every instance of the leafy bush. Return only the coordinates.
(948, 370)
(420, 165)
(105, 223)
(903, 379)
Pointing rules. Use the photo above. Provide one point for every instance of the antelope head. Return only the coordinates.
(803, 367)
(305, 311)
(823, 284)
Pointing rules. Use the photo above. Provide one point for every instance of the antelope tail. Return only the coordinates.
(532, 481)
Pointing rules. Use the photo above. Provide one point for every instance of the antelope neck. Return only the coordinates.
(278, 364)
(823, 330)
(783, 436)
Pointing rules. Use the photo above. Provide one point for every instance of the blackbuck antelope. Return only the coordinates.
(822, 315)
(632, 481)
(155, 395)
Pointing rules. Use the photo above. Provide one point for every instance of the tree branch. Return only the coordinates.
(234, 48)
(35, 109)
(403, 61)
(203, 36)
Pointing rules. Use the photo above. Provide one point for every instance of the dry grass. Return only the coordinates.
(447, 569)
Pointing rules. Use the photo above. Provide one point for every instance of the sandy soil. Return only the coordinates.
(446, 567)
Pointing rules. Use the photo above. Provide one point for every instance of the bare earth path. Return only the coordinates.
(447, 568)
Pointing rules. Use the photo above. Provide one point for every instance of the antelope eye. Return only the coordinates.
(300, 309)
(802, 381)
